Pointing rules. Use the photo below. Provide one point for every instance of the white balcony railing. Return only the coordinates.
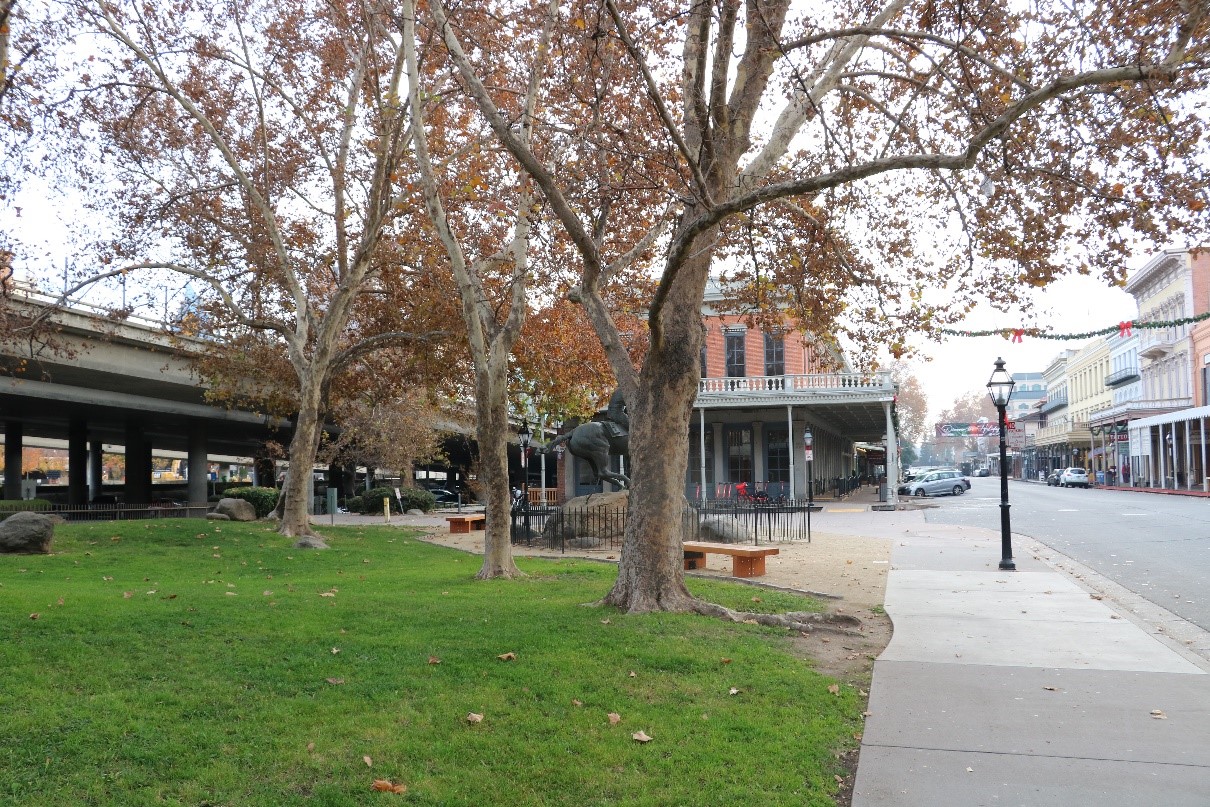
(778, 384)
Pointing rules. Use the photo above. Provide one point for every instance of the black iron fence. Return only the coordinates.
(723, 521)
(108, 511)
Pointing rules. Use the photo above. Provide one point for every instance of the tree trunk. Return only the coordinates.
(491, 408)
(297, 489)
(651, 574)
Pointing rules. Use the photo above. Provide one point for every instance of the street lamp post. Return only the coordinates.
(523, 437)
(1000, 389)
(808, 445)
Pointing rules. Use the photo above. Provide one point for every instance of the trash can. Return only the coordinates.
(882, 491)
(1100, 477)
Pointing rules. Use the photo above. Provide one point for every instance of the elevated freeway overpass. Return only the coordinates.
(105, 381)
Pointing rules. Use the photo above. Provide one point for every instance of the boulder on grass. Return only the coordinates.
(26, 532)
(236, 509)
(725, 530)
(217, 517)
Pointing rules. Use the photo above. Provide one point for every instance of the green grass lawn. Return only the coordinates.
(180, 662)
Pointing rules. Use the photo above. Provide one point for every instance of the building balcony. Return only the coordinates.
(1053, 401)
(1156, 344)
(783, 389)
(1119, 377)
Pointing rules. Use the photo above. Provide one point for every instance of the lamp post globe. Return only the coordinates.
(1000, 390)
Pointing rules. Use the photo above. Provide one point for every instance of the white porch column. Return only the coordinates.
(1205, 481)
(1188, 460)
(793, 493)
(892, 457)
(701, 453)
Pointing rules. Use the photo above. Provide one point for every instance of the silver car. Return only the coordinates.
(939, 483)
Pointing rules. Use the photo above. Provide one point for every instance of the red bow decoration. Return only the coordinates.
(1017, 334)
(1124, 328)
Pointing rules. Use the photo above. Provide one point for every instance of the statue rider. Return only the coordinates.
(617, 423)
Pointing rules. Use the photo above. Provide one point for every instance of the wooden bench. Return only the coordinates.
(747, 561)
(460, 524)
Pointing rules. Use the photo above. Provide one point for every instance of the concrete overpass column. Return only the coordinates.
(13, 435)
(199, 468)
(77, 462)
(96, 472)
(138, 464)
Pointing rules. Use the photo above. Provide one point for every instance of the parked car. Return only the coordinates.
(982, 472)
(1073, 478)
(938, 483)
(444, 496)
(911, 475)
(1052, 478)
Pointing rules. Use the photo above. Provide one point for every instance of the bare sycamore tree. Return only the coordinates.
(855, 136)
(259, 150)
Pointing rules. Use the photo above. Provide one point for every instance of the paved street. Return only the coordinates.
(1154, 545)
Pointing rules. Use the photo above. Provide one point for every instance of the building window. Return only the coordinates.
(737, 366)
(775, 354)
(777, 466)
(739, 454)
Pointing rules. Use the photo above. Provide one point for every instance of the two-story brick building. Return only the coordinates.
(761, 389)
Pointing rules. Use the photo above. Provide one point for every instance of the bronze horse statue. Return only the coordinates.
(596, 441)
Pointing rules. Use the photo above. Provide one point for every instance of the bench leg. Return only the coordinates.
(457, 527)
(748, 567)
(481, 524)
(695, 560)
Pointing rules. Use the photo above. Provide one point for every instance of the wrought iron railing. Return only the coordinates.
(604, 528)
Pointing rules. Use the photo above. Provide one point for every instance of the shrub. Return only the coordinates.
(371, 501)
(354, 504)
(417, 499)
(10, 506)
(263, 499)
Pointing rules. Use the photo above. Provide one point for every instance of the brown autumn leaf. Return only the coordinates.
(726, 660)
(614, 718)
(310, 747)
(34, 615)
(368, 761)
(1158, 714)
(756, 599)
(510, 656)
(576, 702)
(474, 717)
(59, 602)
(335, 681)
(633, 674)
(327, 594)
(834, 689)
(641, 736)
(434, 660)
(126, 595)
(387, 786)
(335, 650)
(733, 691)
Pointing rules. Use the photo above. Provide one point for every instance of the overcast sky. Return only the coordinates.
(1071, 305)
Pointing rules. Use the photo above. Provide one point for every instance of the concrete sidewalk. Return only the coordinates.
(1023, 688)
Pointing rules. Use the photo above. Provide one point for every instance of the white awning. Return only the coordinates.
(1168, 418)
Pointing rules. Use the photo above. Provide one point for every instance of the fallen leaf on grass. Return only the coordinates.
(126, 595)
(614, 718)
(326, 594)
(604, 621)
(576, 702)
(633, 674)
(474, 717)
(434, 660)
(59, 602)
(834, 689)
(756, 599)
(387, 786)
(726, 660)
(510, 656)
(335, 681)
(335, 650)
(34, 615)
(641, 736)
(310, 747)
(733, 691)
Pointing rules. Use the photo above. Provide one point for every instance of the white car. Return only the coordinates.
(1073, 478)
